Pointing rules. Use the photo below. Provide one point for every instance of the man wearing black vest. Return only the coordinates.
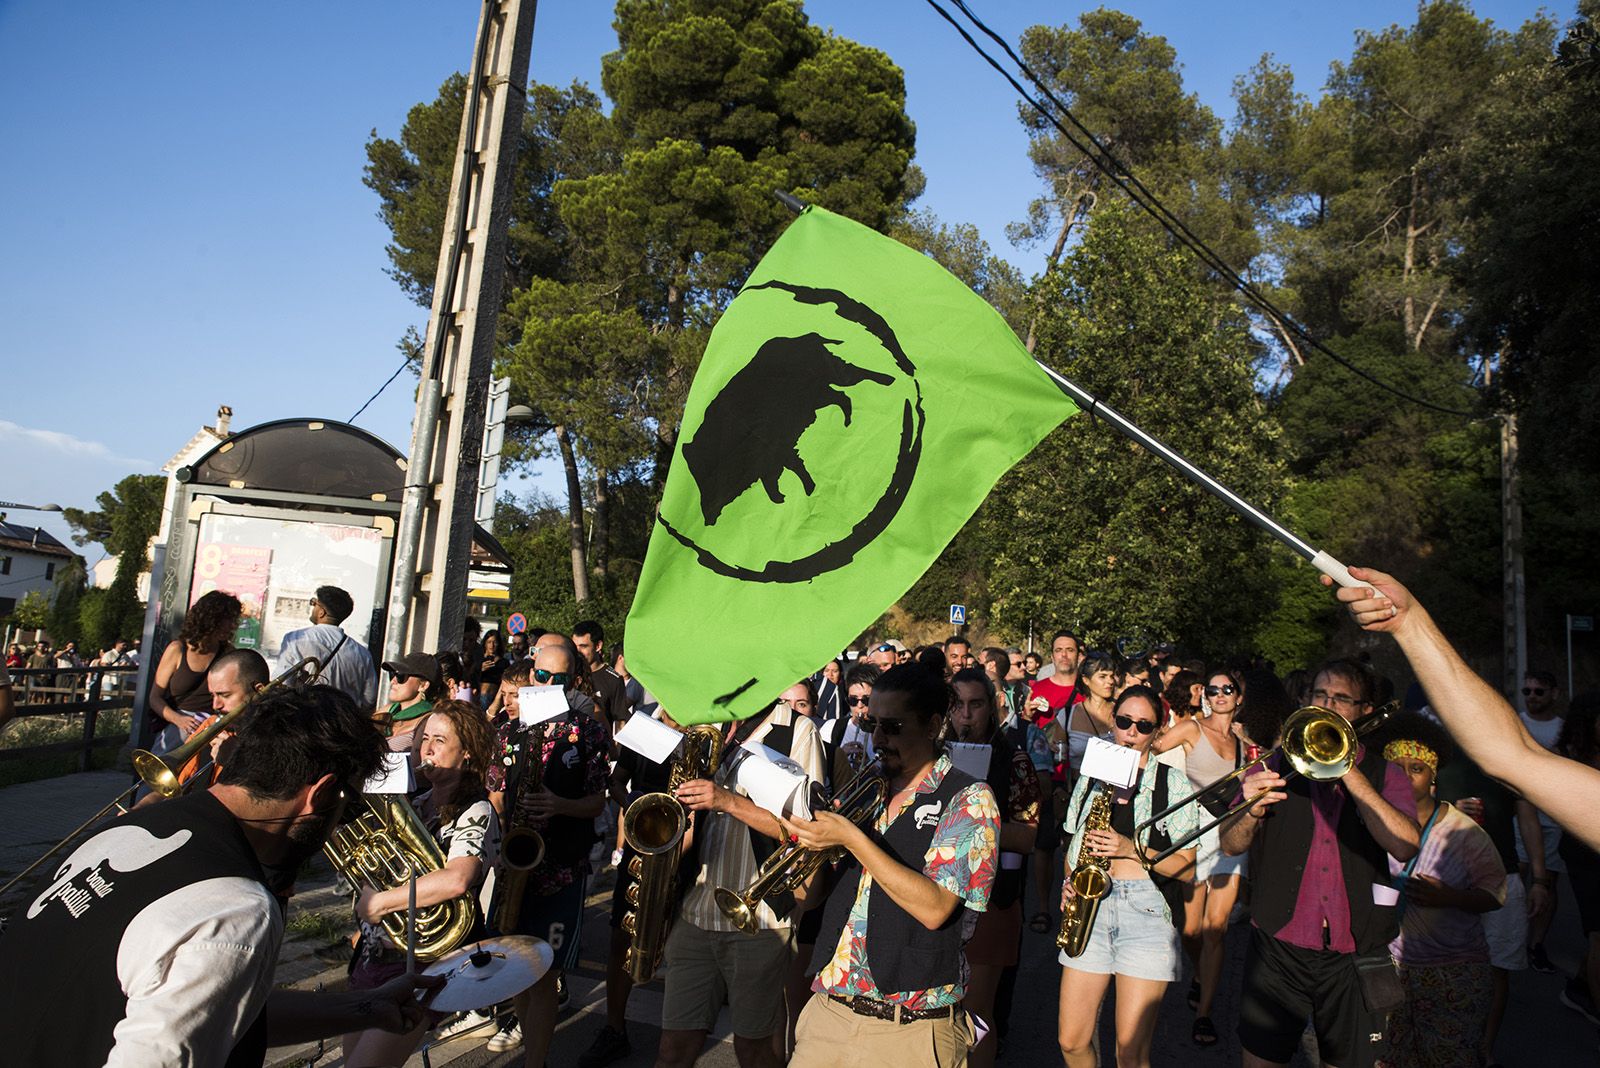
(891, 968)
(156, 940)
(706, 957)
(1321, 903)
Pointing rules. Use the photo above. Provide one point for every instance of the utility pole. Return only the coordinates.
(433, 546)
(1513, 585)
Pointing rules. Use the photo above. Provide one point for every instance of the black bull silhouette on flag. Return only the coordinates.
(752, 428)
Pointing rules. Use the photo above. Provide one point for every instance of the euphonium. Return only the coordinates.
(789, 866)
(381, 847)
(653, 827)
(521, 847)
(1091, 880)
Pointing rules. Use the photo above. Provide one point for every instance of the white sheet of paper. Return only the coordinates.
(971, 757)
(1108, 762)
(394, 777)
(778, 789)
(536, 704)
(649, 737)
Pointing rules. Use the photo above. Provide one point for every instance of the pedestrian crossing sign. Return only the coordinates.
(958, 615)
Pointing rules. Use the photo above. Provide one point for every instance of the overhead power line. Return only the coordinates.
(1102, 157)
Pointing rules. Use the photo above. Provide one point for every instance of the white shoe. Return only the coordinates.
(466, 1025)
(506, 1038)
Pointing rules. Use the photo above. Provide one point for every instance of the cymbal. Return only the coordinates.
(487, 972)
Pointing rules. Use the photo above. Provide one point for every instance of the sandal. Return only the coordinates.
(1040, 922)
(1204, 1033)
(1194, 995)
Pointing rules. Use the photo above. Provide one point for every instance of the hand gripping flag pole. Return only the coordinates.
(1089, 403)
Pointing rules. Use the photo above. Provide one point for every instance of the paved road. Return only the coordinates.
(1539, 1031)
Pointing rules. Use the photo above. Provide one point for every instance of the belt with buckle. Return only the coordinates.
(883, 1010)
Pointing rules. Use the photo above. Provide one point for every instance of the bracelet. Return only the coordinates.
(1546, 881)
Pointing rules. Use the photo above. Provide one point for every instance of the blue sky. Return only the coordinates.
(183, 224)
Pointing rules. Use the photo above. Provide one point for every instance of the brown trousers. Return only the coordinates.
(830, 1035)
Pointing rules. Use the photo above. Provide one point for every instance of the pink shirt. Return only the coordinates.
(1322, 896)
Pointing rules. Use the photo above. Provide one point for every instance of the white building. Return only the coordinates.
(30, 561)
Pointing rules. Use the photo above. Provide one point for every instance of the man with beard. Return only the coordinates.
(891, 969)
(161, 933)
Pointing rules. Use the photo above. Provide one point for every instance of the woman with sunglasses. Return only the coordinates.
(1133, 938)
(846, 744)
(1212, 749)
(454, 806)
(414, 684)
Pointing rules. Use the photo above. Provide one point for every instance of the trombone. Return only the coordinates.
(1319, 744)
(160, 772)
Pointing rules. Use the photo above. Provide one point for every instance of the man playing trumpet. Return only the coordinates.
(912, 888)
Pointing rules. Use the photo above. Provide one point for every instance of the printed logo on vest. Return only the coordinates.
(927, 815)
(570, 758)
(121, 849)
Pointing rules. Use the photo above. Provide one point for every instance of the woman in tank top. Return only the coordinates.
(1212, 750)
(179, 697)
(1098, 675)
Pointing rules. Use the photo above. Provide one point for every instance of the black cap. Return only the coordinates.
(423, 665)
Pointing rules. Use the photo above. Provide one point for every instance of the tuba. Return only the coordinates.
(382, 846)
(522, 847)
(788, 867)
(654, 826)
(1091, 881)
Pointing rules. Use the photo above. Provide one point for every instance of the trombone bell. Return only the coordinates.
(1319, 744)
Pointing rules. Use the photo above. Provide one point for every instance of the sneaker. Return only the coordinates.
(508, 1037)
(1575, 996)
(1539, 960)
(609, 1045)
(563, 999)
(466, 1025)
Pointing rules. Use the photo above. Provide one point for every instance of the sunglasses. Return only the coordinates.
(891, 728)
(884, 649)
(1225, 690)
(1533, 691)
(402, 678)
(856, 699)
(1128, 723)
(555, 678)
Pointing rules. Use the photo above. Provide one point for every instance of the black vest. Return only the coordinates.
(58, 960)
(902, 954)
(1278, 861)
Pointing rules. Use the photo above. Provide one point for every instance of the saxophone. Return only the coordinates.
(382, 846)
(1091, 880)
(521, 847)
(653, 827)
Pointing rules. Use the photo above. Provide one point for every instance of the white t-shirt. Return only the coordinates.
(176, 961)
(1544, 731)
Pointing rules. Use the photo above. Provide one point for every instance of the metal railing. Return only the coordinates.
(82, 693)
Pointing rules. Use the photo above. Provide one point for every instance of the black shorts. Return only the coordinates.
(1583, 868)
(1285, 985)
(1049, 837)
(558, 919)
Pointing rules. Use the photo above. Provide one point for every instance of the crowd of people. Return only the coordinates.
(1388, 901)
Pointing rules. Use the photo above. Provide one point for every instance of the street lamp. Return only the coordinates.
(31, 507)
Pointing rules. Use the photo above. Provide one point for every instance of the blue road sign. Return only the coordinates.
(517, 624)
(958, 615)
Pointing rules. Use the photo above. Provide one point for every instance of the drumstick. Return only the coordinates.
(411, 924)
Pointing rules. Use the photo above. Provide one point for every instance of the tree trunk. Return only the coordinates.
(1410, 260)
(580, 564)
(1080, 205)
(599, 550)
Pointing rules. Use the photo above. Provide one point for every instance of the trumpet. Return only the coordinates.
(160, 773)
(788, 867)
(1319, 745)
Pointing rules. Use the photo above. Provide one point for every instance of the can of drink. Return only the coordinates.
(1472, 806)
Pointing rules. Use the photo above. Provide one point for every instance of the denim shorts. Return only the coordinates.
(1132, 935)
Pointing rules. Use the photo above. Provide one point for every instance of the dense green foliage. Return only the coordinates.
(1430, 218)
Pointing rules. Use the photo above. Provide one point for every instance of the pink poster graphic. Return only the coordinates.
(242, 570)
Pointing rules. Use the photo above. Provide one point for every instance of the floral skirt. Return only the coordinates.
(1441, 1023)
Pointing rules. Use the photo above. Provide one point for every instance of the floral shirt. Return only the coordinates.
(593, 741)
(1182, 822)
(961, 858)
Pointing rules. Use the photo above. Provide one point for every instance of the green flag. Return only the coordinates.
(855, 405)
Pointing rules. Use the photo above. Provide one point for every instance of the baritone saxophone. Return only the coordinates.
(654, 826)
